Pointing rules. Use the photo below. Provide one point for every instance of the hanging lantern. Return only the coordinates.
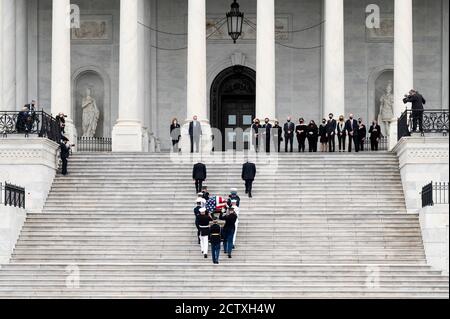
(235, 19)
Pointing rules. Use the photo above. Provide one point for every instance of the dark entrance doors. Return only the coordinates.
(233, 105)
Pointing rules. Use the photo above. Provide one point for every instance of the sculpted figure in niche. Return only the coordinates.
(386, 115)
(91, 114)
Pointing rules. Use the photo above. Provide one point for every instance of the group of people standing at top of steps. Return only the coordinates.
(217, 221)
(342, 135)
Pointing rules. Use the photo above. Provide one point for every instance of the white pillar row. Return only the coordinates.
(1, 56)
(403, 61)
(334, 75)
(127, 134)
(21, 54)
(61, 65)
(265, 60)
(8, 67)
(196, 75)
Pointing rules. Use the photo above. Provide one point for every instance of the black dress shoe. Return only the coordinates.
(229, 256)
(206, 256)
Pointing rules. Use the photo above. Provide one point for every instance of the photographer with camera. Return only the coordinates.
(61, 119)
(65, 147)
(417, 101)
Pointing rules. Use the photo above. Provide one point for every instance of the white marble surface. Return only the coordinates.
(30, 163)
(265, 60)
(12, 220)
(434, 222)
(8, 67)
(333, 68)
(21, 54)
(422, 160)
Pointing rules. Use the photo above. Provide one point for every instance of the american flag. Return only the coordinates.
(215, 204)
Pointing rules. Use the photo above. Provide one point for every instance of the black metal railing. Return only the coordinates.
(434, 121)
(13, 195)
(94, 144)
(435, 194)
(29, 123)
(383, 145)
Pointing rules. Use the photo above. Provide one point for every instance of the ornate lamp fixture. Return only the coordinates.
(235, 19)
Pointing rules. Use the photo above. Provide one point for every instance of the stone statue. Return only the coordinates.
(386, 115)
(91, 114)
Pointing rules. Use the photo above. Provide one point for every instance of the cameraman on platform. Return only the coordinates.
(61, 119)
(417, 101)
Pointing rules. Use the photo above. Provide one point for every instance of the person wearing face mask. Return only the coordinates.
(313, 134)
(331, 133)
(302, 134)
(289, 129)
(277, 132)
(341, 133)
(323, 136)
(375, 135)
(352, 128)
(267, 131)
(175, 134)
(362, 134)
(257, 131)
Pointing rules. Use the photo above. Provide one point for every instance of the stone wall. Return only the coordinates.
(299, 72)
(12, 220)
(30, 163)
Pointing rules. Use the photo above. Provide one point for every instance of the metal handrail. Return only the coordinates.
(12, 195)
(435, 194)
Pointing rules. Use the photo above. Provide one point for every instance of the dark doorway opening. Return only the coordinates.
(233, 104)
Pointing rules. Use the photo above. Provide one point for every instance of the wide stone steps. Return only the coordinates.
(319, 226)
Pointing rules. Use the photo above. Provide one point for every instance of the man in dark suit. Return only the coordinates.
(268, 134)
(352, 128)
(417, 101)
(375, 135)
(199, 176)
(248, 175)
(289, 129)
(331, 133)
(362, 134)
(195, 133)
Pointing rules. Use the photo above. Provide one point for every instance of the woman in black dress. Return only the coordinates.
(175, 134)
(323, 136)
(313, 135)
(256, 128)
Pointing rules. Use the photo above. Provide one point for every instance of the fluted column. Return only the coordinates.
(334, 75)
(21, 54)
(127, 134)
(403, 61)
(8, 61)
(196, 74)
(61, 65)
(265, 60)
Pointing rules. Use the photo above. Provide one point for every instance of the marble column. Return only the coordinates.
(265, 60)
(196, 75)
(1, 56)
(403, 61)
(333, 74)
(61, 65)
(8, 67)
(21, 54)
(127, 134)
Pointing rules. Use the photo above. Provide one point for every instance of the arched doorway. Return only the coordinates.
(233, 102)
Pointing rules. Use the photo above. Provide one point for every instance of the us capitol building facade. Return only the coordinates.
(144, 62)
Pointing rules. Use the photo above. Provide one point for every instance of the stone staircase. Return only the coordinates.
(319, 226)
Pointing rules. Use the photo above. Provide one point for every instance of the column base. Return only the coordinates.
(127, 137)
(206, 144)
(393, 135)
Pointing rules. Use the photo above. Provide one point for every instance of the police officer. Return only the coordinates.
(216, 238)
(64, 153)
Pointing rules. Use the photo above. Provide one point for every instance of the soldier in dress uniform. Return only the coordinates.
(197, 215)
(233, 197)
(228, 230)
(203, 223)
(216, 238)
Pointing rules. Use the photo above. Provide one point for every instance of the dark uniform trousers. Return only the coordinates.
(248, 185)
